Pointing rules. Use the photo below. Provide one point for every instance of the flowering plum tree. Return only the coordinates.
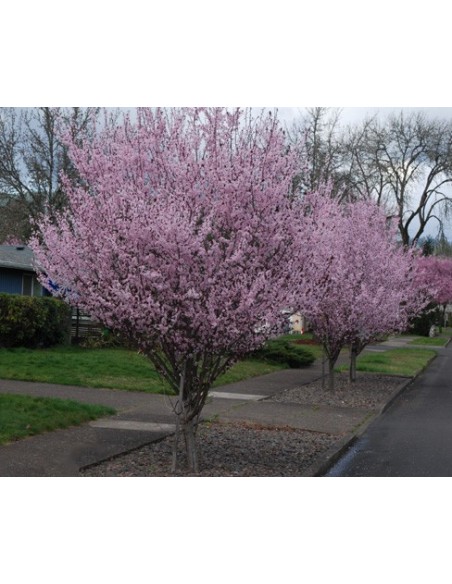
(359, 283)
(180, 237)
(434, 275)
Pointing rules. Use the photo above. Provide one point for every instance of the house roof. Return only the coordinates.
(16, 257)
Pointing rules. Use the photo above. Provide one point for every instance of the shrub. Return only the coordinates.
(425, 320)
(28, 321)
(285, 352)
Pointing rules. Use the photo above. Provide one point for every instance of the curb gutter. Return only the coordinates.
(332, 455)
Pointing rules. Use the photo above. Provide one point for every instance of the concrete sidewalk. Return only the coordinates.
(141, 419)
(144, 418)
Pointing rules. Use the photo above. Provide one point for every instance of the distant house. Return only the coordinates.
(297, 323)
(17, 272)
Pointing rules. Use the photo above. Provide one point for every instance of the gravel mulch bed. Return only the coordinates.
(369, 391)
(227, 450)
(246, 449)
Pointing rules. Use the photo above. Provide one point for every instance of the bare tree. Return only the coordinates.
(405, 164)
(31, 159)
(318, 137)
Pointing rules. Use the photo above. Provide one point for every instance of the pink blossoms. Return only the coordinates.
(358, 282)
(179, 236)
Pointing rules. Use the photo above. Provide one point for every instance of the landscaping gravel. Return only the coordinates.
(226, 450)
(247, 449)
(370, 390)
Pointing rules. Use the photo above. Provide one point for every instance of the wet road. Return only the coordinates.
(413, 438)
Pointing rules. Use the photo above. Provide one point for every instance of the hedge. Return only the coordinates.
(285, 352)
(29, 321)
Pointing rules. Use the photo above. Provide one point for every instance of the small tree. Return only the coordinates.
(359, 283)
(434, 275)
(180, 239)
(325, 296)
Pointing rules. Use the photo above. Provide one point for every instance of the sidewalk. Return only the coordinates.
(144, 418)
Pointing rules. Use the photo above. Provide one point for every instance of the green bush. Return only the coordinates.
(29, 321)
(285, 352)
(430, 316)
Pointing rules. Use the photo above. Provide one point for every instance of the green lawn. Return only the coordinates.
(246, 369)
(405, 362)
(127, 370)
(108, 368)
(22, 416)
(430, 341)
(111, 368)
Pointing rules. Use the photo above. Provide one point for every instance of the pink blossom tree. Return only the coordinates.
(434, 275)
(180, 237)
(358, 283)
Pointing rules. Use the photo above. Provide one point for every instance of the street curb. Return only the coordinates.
(332, 455)
(326, 460)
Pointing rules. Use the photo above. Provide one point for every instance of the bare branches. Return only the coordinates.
(32, 157)
(403, 163)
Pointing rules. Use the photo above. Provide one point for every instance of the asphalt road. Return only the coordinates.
(413, 438)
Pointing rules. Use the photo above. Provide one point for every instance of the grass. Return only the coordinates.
(431, 341)
(404, 362)
(108, 368)
(247, 369)
(126, 370)
(22, 416)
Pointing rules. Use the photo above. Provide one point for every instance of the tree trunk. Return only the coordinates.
(353, 356)
(175, 446)
(185, 424)
(331, 364)
(190, 446)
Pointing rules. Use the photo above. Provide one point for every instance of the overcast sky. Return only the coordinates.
(352, 115)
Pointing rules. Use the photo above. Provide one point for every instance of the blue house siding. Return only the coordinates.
(20, 282)
(11, 281)
(17, 272)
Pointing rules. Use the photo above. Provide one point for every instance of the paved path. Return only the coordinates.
(141, 418)
(413, 438)
(144, 418)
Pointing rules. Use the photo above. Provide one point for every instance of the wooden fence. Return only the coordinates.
(82, 327)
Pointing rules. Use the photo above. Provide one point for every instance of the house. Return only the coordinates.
(17, 271)
(297, 323)
(18, 276)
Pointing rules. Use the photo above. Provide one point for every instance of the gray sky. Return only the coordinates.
(352, 115)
